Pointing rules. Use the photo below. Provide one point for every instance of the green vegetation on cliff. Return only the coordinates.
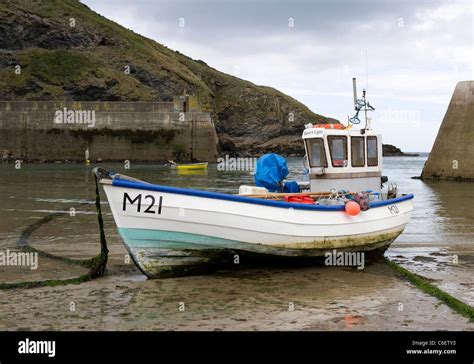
(88, 61)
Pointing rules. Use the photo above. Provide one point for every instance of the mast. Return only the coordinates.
(364, 92)
(365, 107)
(360, 104)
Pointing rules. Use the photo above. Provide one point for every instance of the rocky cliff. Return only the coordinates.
(452, 156)
(62, 50)
(392, 151)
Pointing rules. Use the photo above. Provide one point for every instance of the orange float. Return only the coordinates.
(330, 126)
(352, 208)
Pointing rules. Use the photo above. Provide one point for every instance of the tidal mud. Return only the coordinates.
(259, 298)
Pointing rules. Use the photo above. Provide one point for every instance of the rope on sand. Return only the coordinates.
(423, 284)
(97, 265)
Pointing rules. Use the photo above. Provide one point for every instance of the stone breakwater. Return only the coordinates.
(452, 156)
(116, 131)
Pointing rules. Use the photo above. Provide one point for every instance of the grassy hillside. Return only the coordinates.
(86, 62)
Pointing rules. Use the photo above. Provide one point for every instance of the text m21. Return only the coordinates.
(149, 203)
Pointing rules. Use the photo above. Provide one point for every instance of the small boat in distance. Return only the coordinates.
(188, 166)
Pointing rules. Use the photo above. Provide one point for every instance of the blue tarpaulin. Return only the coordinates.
(271, 171)
(291, 187)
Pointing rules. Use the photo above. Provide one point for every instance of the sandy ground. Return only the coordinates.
(450, 268)
(256, 298)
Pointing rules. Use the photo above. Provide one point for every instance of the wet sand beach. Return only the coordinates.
(259, 298)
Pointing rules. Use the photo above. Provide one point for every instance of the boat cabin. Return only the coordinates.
(341, 158)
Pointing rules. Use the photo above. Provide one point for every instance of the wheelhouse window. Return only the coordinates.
(357, 151)
(317, 154)
(372, 152)
(338, 149)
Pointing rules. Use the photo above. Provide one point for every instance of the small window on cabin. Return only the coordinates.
(338, 149)
(372, 152)
(358, 151)
(317, 155)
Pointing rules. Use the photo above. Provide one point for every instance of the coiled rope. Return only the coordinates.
(96, 265)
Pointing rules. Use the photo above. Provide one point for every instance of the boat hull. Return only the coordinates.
(170, 231)
(160, 254)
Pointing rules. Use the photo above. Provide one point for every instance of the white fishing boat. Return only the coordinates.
(172, 231)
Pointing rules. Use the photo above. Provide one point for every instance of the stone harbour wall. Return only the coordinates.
(115, 131)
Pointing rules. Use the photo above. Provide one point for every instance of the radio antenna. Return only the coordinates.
(366, 72)
(354, 91)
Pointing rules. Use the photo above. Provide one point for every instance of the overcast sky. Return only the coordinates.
(417, 51)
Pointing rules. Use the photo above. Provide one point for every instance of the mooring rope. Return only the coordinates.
(423, 284)
(97, 265)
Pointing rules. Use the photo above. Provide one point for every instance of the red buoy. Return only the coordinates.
(352, 208)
